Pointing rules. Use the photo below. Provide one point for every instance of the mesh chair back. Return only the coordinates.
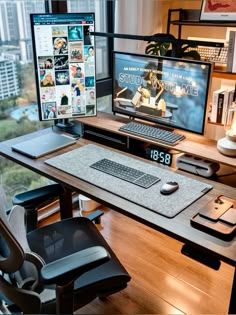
(12, 258)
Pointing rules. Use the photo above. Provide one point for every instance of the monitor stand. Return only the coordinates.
(73, 128)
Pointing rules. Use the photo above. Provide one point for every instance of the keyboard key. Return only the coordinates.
(146, 180)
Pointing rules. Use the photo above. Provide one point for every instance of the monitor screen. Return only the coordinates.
(169, 91)
(64, 57)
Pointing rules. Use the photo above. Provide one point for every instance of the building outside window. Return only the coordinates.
(18, 103)
(9, 84)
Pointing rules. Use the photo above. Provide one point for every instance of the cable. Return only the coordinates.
(219, 200)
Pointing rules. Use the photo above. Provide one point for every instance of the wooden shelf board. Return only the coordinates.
(224, 75)
(200, 23)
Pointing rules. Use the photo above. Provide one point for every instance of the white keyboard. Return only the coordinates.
(212, 54)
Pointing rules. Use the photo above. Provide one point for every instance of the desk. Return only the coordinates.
(179, 227)
(195, 145)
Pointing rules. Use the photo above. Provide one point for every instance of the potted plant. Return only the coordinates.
(167, 45)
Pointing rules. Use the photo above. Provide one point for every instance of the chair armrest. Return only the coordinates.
(95, 216)
(36, 196)
(65, 269)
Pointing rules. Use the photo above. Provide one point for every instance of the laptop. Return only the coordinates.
(42, 145)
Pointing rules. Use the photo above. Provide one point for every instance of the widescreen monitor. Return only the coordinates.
(171, 92)
(64, 57)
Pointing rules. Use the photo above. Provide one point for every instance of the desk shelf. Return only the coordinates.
(195, 145)
(220, 73)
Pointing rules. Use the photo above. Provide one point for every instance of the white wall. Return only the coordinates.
(148, 17)
(138, 17)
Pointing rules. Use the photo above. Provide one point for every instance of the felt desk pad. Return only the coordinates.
(77, 163)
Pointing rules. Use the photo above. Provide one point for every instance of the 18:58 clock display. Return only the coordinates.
(158, 155)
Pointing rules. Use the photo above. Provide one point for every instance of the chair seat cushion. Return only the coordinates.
(65, 237)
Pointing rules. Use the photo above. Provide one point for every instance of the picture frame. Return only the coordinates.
(218, 10)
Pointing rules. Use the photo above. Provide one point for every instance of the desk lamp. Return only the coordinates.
(227, 145)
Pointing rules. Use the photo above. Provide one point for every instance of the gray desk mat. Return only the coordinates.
(77, 163)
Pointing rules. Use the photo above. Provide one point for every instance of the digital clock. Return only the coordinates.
(158, 155)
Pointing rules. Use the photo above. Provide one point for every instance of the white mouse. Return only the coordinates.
(168, 188)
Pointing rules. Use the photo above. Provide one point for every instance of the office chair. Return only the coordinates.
(57, 268)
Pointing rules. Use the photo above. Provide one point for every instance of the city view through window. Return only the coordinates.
(18, 103)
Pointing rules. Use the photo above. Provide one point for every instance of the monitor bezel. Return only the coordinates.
(147, 118)
(64, 120)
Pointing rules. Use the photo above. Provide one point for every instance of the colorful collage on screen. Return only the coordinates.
(66, 67)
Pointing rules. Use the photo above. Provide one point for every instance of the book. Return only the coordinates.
(214, 106)
(228, 99)
(225, 105)
(232, 96)
(231, 61)
(220, 107)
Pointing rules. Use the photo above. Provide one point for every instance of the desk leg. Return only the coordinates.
(66, 204)
(232, 303)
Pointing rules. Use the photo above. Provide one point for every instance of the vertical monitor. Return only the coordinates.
(169, 91)
(64, 57)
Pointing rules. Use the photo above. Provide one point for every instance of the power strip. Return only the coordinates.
(197, 165)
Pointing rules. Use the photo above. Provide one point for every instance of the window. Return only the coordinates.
(17, 88)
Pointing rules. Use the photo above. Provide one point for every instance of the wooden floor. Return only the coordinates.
(163, 280)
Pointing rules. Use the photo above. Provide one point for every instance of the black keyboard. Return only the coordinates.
(152, 133)
(126, 173)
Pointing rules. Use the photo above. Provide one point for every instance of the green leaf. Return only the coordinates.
(157, 48)
(193, 54)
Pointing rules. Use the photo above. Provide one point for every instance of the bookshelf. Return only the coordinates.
(190, 17)
(186, 17)
(220, 73)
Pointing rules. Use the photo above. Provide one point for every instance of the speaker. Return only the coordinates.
(197, 165)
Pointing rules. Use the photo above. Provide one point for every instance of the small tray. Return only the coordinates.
(222, 226)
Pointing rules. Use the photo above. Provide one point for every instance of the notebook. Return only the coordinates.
(43, 145)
